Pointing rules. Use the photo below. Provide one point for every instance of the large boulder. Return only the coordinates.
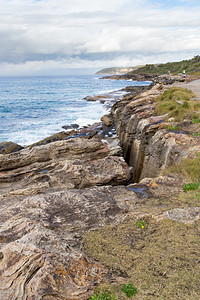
(9, 147)
(107, 120)
(74, 163)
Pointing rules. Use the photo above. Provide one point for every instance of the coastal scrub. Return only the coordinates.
(178, 104)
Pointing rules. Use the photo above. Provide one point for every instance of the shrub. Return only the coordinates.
(129, 290)
(141, 223)
(177, 103)
(197, 120)
(196, 134)
(185, 104)
(191, 186)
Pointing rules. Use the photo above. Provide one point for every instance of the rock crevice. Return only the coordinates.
(148, 146)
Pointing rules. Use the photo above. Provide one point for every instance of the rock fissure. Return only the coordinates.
(56, 192)
(148, 146)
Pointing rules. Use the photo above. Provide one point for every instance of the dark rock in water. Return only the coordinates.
(9, 147)
(97, 97)
(72, 126)
(53, 138)
(72, 183)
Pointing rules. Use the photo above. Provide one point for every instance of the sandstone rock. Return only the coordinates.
(75, 163)
(40, 240)
(148, 146)
(51, 195)
(9, 147)
(97, 97)
(55, 137)
(72, 126)
(107, 120)
(72, 148)
(42, 266)
(185, 215)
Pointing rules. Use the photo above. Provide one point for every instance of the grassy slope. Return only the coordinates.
(162, 259)
(178, 103)
(174, 67)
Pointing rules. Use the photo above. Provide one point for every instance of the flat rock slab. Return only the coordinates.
(75, 163)
(40, 256)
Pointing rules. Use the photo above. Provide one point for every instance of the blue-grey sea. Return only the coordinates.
(32, 108)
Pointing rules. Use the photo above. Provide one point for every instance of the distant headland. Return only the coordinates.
(174, 68)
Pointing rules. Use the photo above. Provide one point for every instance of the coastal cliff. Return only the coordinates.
(149, 146)
(70, 209)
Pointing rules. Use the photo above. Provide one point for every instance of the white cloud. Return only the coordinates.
(37, 36)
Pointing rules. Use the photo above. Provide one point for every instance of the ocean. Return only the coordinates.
(32, 108)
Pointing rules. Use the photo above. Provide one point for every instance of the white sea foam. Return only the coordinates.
(33, 108)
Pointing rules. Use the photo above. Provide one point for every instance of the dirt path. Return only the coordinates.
(194, 86)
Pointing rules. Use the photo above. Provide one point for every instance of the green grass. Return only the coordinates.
(196, 134)
(141, 223)
(129, 290)
(196, 120)
(191, 186)
(177, 103)
(188, 168)
(174, 128)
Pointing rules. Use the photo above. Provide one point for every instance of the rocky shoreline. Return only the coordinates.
(165, 79)
(57, 191)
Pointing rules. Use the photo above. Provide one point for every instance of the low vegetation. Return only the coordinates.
(177, 103)
(173, 67)
(188, 168)
(128, 289)
(161, 259)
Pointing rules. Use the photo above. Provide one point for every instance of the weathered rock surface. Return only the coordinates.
(40, 236)
(71, 149)
(54, 192)
(166, 78)
(41, 240)
(107, 120)
(147, 145)
(75, 163)
(9, 147)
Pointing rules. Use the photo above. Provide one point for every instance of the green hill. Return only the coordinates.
(172, 67)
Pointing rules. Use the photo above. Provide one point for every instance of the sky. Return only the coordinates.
(58, 37)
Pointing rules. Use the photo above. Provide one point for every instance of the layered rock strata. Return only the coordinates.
(165, 79)
(55, 191)
(46, 203)
(148, 146)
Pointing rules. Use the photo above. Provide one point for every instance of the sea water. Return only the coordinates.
(32, 108)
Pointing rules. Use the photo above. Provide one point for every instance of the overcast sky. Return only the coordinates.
(53, 36)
